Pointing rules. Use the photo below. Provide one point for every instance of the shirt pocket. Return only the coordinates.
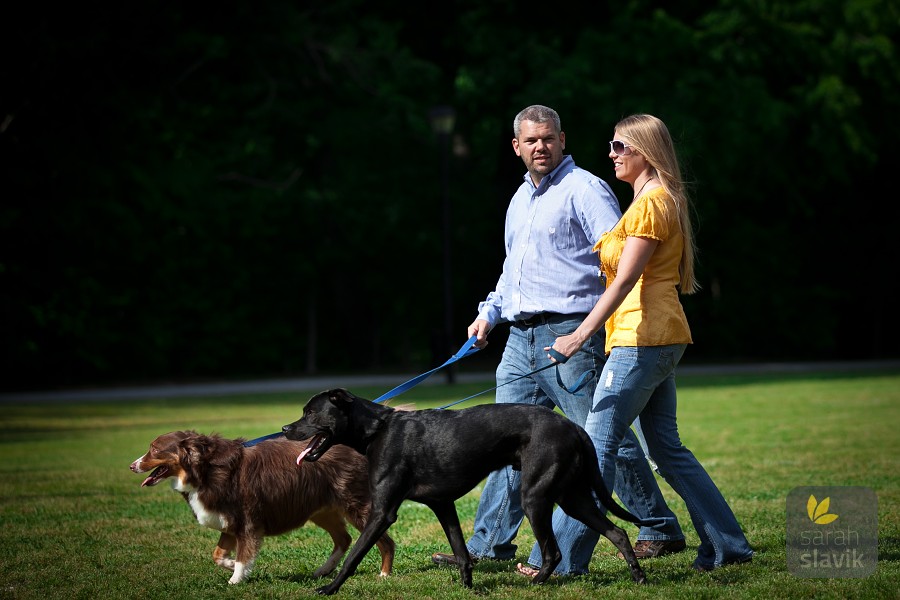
(562, 235)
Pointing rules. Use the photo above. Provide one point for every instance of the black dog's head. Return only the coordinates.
(326, 419)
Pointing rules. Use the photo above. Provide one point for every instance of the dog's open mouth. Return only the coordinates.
(158, 474)
(312, 453)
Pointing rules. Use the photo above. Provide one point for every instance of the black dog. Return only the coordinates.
(436, 456)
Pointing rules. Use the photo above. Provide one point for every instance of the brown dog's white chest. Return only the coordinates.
(206, 517)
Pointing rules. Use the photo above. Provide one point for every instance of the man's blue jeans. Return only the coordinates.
(639, 383)
(499, 514)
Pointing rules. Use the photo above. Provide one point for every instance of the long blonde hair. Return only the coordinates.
(650, 136)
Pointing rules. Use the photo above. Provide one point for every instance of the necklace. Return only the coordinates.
(642, 189)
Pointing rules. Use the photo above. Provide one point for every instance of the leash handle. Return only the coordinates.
(557, 355)
(465, 350)
(579, 383)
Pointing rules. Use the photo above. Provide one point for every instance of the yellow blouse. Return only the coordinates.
(651, 314)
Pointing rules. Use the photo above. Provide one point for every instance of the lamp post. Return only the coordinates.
(442, 120)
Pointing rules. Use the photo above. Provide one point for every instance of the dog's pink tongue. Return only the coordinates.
(303, 455)
(156, 476)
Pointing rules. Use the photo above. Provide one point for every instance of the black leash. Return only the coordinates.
(559, 358)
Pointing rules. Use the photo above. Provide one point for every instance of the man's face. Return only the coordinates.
(540, 147)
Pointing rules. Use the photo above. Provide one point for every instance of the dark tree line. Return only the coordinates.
(194, 191)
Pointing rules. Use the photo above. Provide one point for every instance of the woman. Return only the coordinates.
(648, 258)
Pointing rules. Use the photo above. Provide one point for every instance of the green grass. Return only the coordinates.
(75, 523)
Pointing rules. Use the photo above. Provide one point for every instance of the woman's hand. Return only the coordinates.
(634, 258)
(567, 345)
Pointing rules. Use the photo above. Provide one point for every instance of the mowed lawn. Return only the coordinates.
(77, 524)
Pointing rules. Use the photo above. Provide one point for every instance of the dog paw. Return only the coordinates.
(241, 572)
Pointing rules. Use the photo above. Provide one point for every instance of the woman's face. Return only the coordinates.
(629, 164)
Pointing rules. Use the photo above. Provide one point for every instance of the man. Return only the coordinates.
(550, 281)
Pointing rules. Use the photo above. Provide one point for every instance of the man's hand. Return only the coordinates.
(480, 329)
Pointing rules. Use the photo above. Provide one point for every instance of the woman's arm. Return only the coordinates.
(635, 255)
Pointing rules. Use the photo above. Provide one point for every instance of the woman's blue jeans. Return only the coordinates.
(637, 386)
(499, 514)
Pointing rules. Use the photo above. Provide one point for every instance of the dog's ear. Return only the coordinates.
(191, 450)
(180, 436)
(341, 396)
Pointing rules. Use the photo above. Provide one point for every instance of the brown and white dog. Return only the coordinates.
(248, 493)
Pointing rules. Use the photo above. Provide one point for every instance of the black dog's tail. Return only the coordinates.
(600, 488)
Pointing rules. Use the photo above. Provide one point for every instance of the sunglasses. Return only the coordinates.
(618, 147)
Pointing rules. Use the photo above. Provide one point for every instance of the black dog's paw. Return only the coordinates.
(326, 590)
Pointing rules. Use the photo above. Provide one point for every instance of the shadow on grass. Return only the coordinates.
(888, 548)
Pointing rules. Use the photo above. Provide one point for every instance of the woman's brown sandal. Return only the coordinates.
(526, 571)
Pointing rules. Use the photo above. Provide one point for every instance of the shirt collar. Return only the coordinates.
(566, 162)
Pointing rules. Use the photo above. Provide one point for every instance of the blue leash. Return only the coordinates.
(465, 350)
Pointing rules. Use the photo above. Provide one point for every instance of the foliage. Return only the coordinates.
(193, 193)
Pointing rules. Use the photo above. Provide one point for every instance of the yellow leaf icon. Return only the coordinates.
(818, 512)
(822, 508)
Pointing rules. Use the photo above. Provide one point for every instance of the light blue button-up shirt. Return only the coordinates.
(550, 232)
